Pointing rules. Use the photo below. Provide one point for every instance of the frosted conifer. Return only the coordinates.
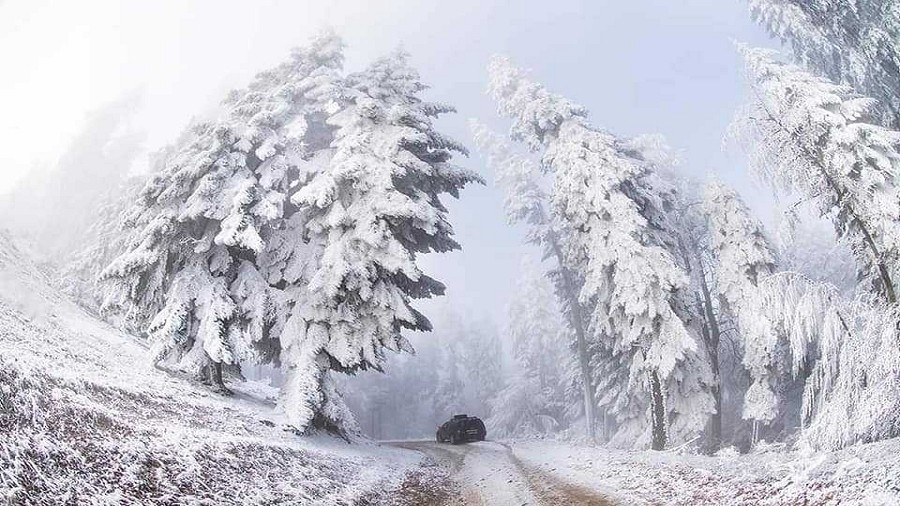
(851, 42)
(527, 202)
(743, 256)
(198, 222)
(367, 214)
(604, 191)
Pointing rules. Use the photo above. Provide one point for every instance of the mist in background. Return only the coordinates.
(646, 66)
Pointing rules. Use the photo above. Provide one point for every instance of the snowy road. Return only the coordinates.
(488, 473)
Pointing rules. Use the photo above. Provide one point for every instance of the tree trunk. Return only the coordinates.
(713, 336)
(215, 372)
(657, 412)
(605, 426)
(715, 421)
(577, 321)
(588, 384)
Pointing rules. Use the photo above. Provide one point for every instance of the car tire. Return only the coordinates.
(453, 440)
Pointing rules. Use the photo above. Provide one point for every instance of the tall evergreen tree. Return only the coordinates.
(368, 214)
(526, 202)
(743, 256)
(198, 222)
(289, 229)
(605, 193)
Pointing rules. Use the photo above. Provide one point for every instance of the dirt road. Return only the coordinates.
(486, 474)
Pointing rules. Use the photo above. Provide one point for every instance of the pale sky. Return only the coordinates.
(640, 66)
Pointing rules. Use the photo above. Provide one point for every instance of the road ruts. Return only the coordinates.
(486, 474)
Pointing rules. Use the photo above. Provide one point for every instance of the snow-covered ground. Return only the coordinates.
(863, 475)
(85, 419)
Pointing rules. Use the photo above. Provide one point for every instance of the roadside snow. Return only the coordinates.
(864, 475)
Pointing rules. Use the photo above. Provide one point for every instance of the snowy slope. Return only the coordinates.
(85, 419)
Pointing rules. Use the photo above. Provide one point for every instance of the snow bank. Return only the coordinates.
(863, 475)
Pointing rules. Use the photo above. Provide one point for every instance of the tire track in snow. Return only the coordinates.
(488, 473)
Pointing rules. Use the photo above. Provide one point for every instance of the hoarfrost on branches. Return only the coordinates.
(852, 392)
(809, 136)
(848, 41)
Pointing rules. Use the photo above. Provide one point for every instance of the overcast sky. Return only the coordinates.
(640, 66)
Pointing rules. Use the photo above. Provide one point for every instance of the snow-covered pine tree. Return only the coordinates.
(190, 264)
(531, 401)
(743, 256)
(699, 307)
(850, 41)
(602, 194)
(681, 230)
(367, 215)
(809, 136)
(526, 202)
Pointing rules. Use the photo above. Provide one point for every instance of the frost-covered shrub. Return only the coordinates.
(852, 393)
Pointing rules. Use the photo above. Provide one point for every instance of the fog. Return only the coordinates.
(640, 67)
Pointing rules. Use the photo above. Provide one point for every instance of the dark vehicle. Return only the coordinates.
(461, 429)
